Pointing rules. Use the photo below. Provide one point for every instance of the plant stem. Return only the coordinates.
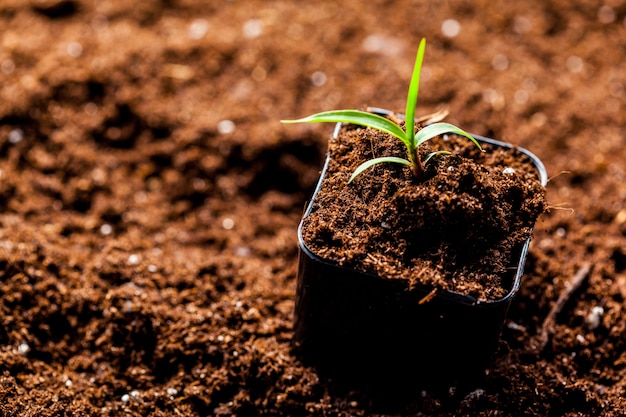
(416, 164)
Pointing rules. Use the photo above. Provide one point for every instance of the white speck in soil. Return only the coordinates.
(199, 184)
(16, 136)
(450, 28)
(90, 109)
(606, 14)
(68, 383)
(23, 349)
(508, 171)
(171, 391)
(319, 78)
(538, 119)
(514, 326)
(128, 307)
(522, 25)
(225, 127)
(474, 395)
(152, 268)
(521, 96)
(574, 64)
(106, 229)
(252, 28)
(373, 43)
(493, 97)
(385, 225)
(133, 259)
(594, 317)
(228, 223)
(242, 251)
(74, 49)
(125, 398)
(198, 29)
(500, 62)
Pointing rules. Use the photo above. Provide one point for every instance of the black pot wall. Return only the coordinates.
(362, 328)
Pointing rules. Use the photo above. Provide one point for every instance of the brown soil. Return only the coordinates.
(149, 197)
(459, 227)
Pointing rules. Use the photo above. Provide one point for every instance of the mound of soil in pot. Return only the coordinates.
(458, 228)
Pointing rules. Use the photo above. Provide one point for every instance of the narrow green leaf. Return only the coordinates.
(436, 129)
(356, 117)
(408, 136)
(411, 100)
(430, 156)
(367, 164)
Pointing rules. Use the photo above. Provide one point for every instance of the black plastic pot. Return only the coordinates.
(358, 327)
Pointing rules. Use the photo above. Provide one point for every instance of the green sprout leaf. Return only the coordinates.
(436, 129)
(411, 140)
(411, 100)
(356, 117)
(370, 163)
(432, 154)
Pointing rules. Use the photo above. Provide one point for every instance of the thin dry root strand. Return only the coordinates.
(427, 119)
(433, 117)
(428, 297)
(547, 329)
(561, 207)
(558, 175)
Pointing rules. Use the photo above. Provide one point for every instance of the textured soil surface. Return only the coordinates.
(149, 197)
(459, 227)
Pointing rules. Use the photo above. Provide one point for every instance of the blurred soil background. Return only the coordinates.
(149, 196)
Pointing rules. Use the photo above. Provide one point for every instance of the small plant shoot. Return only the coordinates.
(408, 136)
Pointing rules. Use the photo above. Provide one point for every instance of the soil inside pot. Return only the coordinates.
(457, 229)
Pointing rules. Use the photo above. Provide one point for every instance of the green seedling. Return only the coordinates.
(408, 136)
